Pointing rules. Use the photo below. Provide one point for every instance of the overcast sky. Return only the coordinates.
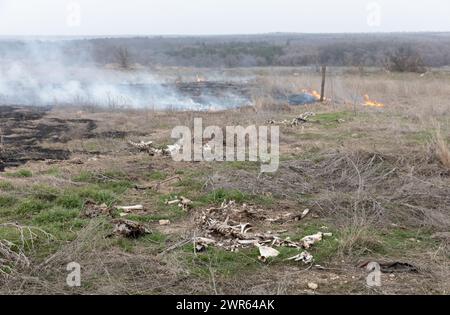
(151, 17)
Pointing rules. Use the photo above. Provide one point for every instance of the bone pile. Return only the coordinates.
(148, 146)
(225, 227)
(301, 119)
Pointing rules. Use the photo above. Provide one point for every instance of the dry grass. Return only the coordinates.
(13, 254)
(442, 149)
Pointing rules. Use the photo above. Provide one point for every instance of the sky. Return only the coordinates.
(217, 17)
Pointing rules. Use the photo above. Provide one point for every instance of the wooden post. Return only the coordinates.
(322, 90)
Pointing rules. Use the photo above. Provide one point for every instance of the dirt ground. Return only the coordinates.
(377, 179)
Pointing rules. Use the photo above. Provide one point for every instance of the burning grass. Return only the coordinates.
(371, 103)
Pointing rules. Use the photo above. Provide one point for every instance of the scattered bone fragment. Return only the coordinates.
(202, 243)
(313, 286)
(185, 203)
(304, 257)
(147, 146)
(172, 202)
(130, 229)
(288, 217)
(171, 149)
(129, 209)
(310, 240)
(142, 145)
(266, 252)
(164, 222)
(303, 118)
(304, 213)
(182, 202)
(93, 210)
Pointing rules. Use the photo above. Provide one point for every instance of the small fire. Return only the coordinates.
(200, 78)
(369, 102)
(313, 93)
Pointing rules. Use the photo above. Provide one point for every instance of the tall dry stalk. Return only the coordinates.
(441, 149)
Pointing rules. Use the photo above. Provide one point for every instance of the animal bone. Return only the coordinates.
(131, 208)
(129, 228)
(142, 145)
(185, 203)
(304, 257)
(310, 240)
(266, 252)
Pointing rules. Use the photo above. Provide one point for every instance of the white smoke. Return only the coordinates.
(45, 78)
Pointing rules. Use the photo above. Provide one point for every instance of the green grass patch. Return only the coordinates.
(7, 201)
(97, 194)
(20, 173)
(322, 251)
(101, 177)
(52, 171)
(63, 224)
(366, 241)
(92, 146)
(157, 175)
(155, 240)
(396, 241)
(156, 237)
(221, 262)
(6, 186)
(45, 193)
(190, 186)
(114, 181)
(29, 206)
(70, 201)
(85, 177)
(56, 215)
(117, 187)
(333, 120)
(126, 244)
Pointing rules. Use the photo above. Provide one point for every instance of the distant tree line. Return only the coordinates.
(396, 52)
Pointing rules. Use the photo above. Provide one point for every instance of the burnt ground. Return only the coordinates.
(24, 129)
(202, 89)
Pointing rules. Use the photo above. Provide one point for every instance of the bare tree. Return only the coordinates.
(123, 58)
(405, 59)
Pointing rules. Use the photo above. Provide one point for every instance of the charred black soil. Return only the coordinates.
(24, 129)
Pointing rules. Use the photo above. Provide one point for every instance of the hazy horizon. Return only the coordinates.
(118, 36)
(103, 18)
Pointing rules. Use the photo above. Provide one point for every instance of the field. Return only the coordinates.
(376, 178)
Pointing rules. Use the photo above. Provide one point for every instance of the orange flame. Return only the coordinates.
(316, 94)
(313, 93)
(369, 102)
